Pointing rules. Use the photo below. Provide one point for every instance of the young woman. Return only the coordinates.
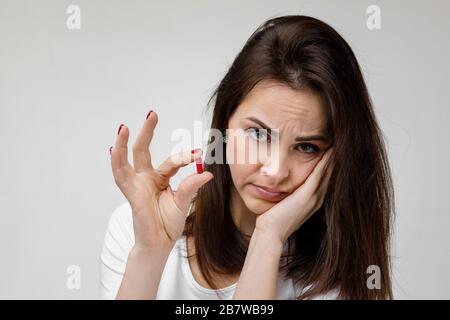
(312, 228)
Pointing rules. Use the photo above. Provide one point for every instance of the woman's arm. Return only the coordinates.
(143, 273)
(258, 279)
(259, 275)
(159, 214)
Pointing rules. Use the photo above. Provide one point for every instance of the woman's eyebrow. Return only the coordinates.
(304, 138)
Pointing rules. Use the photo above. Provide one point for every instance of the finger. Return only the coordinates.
(176, 161)
(122, 170)
(142, 160)
(324, 183)
(327, 170)
(188, 187)
(329, 167)
(314, 179)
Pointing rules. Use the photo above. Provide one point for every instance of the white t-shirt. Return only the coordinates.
(177, 281)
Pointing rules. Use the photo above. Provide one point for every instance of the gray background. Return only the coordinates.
(64, 93)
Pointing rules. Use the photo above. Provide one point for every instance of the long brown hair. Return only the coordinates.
(352, 229)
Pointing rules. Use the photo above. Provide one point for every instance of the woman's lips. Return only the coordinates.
(267, 195)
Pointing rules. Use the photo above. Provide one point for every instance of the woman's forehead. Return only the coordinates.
(279, 105)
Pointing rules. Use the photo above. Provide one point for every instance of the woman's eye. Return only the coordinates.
(259, 134)
(308, 148)
(263, 135)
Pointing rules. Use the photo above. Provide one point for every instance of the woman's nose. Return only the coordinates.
(276, 166)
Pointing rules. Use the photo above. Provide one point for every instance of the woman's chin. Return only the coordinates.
(258, 206)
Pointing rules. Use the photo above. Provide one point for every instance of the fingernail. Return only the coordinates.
(195, 150)
(148, 114)
(110, 148)
(120, 128)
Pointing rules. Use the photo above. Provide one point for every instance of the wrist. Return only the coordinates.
(143, 273)
(265, 228)
(143, 251)
(268, 239)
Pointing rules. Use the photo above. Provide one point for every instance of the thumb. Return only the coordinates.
(188, 187)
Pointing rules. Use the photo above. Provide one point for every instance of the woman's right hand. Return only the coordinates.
(159, 213)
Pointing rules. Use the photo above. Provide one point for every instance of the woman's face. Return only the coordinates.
(297, 115)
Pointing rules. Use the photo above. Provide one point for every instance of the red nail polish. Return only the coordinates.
(120, 128)
(148, 114)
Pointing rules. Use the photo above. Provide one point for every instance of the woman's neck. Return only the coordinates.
(243, 218)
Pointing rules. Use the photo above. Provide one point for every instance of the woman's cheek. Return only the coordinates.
(240, 172)
(303, 171)
(240, 150)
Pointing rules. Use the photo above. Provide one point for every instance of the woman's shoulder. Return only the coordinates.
(332, 294)
(121, 221)
(119, 235)
(120, 227)
(122, 212)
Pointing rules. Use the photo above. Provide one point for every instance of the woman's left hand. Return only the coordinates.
(289, 214)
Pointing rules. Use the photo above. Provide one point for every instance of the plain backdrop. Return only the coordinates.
(63, 94)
